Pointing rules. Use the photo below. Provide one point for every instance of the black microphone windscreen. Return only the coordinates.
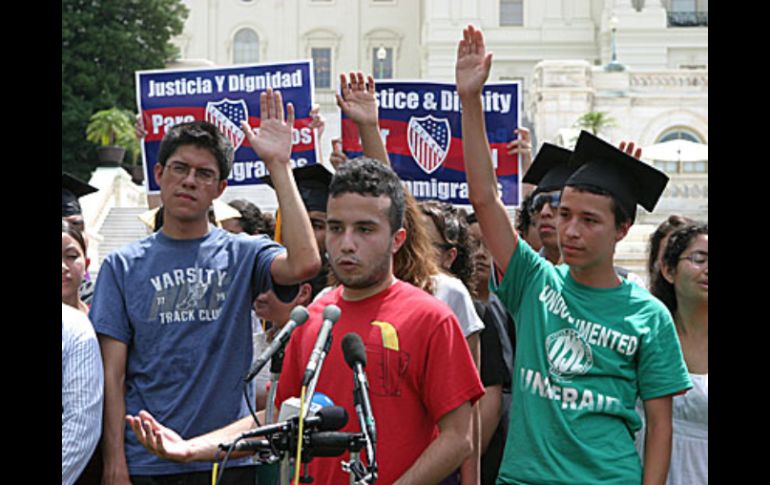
(353, 349)
(299, 314)
(332, 418)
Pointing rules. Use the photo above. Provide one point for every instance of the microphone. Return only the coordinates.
(326, 419)
(330, 315)
(297, 317)
(355, 355)
(333, 443)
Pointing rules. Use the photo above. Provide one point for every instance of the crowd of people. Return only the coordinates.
(494, 353)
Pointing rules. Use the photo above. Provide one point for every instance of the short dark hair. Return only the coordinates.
(367, 176)
(251, 219)
(677, 243)
(621, 216)
(201, 134)
(74, 233)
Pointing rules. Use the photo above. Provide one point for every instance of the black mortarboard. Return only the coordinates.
(599, 164)
(73, 188)
(550, 169)
(313, 184)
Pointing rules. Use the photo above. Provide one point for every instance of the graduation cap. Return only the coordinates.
(550, 169)
(73, 188)
(631, 181)
(313, 184)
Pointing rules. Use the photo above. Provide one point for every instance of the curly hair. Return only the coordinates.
(367, 176)
(677, 244)
(665, 228)
(523, 216)
(451, 224)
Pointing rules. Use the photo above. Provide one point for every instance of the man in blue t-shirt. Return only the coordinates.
(588, 343)
(172, 311)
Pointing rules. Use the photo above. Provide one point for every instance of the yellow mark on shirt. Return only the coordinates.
(389, 335)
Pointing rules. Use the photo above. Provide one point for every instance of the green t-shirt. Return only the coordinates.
(583, 356)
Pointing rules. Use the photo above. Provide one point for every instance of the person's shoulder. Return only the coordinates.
(641, 301)
(414, 299)
(75, 323)
(133, 250)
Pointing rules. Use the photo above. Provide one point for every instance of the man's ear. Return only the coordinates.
(622, 231)
(158, 171)
(399, 237)
(221, 187)
(448, 258)
(305, 294)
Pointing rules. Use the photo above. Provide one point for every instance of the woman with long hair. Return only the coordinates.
(681, 283)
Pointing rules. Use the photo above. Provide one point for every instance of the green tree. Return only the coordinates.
(595, 122)
(103, 43)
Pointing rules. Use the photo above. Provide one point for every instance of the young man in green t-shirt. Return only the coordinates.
(588, 343)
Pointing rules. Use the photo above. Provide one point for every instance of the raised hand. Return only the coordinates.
(523, 146)
(357, 100)
(273, 143)
(159, 440)
(473, 63)
(317, 120)
(628, 147)
(337, 157)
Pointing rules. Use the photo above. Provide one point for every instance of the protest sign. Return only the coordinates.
(225, 96)
(421, 125)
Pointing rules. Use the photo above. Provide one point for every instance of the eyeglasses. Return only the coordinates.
(551, 198)
(698, 258)
(203, 176)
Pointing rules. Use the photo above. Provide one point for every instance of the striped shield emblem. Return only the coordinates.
(429, 139)
(227, 115)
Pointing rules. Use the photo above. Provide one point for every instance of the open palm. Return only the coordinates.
(273, 142)
(158, 439)
(473, 63)
(357, 100)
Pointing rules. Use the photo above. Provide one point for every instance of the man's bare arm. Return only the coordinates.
(445, 454)
(167, 444)
(273, 145)
(359, 104)
(471, 72)
(114, 355)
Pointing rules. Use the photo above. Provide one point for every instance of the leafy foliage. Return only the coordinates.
(103, 43)
(596, 121)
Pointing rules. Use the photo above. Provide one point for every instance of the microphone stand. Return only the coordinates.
(314, 380)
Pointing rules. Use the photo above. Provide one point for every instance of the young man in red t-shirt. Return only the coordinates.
(422, 378)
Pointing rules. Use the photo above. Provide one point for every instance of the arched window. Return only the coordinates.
(683, 166)
(245, 47)
(679, 133)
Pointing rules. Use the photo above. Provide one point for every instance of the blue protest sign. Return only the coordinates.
(225, 96)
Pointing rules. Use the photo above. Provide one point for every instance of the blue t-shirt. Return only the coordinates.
(183, 309)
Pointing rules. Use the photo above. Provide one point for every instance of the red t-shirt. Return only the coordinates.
(419, 368)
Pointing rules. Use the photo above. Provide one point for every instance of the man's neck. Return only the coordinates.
(483, 292)
(358, 294)
(600, 277)
(185, 230)
(552, 254)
